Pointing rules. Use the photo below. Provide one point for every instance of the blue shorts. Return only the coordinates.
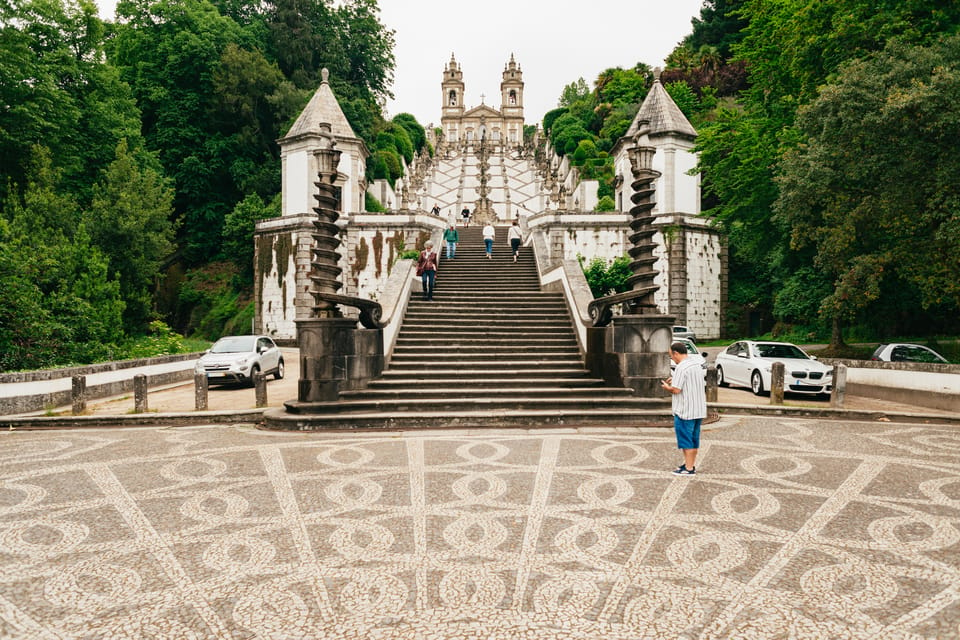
(688, 432)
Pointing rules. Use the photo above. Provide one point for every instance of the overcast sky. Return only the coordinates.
(554, 43)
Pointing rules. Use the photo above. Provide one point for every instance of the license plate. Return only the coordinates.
(216, 374)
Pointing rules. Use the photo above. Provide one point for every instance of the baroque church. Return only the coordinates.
(483, 162)
(468, 125)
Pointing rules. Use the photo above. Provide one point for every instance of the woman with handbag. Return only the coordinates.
(427, 269)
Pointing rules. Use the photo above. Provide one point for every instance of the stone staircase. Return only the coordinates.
(491, 349)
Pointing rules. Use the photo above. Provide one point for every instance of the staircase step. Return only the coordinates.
(485, 382)
(506, 403)
(296, 420)
(388, 393)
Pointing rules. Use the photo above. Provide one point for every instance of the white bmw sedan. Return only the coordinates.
(748, 364)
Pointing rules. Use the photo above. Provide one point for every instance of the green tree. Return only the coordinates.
(573, 92)
(605, 278)
(62, 282)
(414, 129)
(129, 220)
(585, 150)
(169, 51)
(605, 203)
(719, 25)
(881, 212)
(239, 228)
(56, 87)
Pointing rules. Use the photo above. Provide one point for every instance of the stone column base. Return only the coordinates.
(335, 356)
(634, 351)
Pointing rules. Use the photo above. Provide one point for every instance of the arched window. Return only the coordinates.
(513, 97)
(453, 98)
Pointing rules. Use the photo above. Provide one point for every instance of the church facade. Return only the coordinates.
(462, 125)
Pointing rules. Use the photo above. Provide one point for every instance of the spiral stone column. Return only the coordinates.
(335, 354)
(634, 350)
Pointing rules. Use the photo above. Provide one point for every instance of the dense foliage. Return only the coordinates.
(136, 156)
(825, 134)
(830, 164)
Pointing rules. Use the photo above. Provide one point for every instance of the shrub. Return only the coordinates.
(371, 204)
(605, 203)
(604, 278)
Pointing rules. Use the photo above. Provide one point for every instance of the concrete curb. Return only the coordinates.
(256, 416)
(182, 419)
(834, 414)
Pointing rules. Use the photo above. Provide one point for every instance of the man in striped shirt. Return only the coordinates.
(689, 404)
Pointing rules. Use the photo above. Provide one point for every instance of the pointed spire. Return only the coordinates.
(322, 113)
(661, 112)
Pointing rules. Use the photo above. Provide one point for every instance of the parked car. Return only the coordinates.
(749, 364)
(692, 348)
(683, 332)
(905, 352)
(239, 358)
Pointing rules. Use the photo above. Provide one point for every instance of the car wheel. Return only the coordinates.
(756, 383)
(254, 370)
(720, 381)
(278, 374)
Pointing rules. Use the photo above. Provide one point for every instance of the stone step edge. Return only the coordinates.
(279, 419)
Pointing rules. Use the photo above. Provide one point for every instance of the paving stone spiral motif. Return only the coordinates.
(793, 529)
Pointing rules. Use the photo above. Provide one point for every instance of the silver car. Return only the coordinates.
(239, 358)
(749, 364)
(683, 332)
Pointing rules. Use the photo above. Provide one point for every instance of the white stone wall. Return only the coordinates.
(704, 282)
(370, 249)
(606, 236)
(282, 255)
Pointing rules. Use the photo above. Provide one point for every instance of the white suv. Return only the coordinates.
(239, 358)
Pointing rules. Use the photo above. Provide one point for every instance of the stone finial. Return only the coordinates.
(656, 74)
(324, 76)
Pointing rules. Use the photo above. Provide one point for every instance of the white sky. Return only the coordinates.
(554, 43)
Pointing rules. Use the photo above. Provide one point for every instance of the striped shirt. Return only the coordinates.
(691, 402)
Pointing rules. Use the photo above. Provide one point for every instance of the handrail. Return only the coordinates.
(370, 311)
(395, 297)
(601, 309)
(576, 292)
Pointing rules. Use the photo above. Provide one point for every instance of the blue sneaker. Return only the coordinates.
(683, 471)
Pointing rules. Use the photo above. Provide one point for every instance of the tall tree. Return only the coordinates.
(892, 208)
(130, 221)
(57, 89)
(169, 52)
(59, 279)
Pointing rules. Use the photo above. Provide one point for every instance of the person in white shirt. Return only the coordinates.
(515, 238)
(689, 404)
(488, 234)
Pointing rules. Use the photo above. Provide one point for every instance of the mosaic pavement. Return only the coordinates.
(794, 529)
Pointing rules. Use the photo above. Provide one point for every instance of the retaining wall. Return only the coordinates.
(57, 392)
(936, 386)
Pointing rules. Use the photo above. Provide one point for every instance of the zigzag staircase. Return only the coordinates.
(490, 350)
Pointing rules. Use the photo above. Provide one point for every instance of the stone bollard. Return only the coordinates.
(839, 393)
(201, 387)
(260, 387)
(776, 383)
(78, 394)
(712, 391)
(140, 393)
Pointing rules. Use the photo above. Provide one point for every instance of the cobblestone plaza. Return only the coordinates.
(791, 529)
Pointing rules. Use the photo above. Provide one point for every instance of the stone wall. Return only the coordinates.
(691, 260)
(370, 245)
